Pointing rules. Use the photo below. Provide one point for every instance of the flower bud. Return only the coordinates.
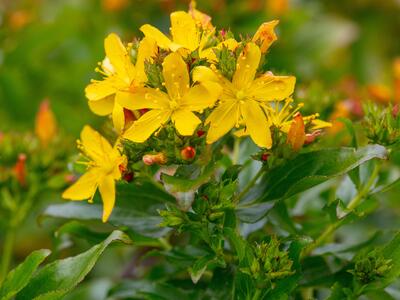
(151, 159)
(200, 133)
(188, 153)
(310, 137)
(265, 35)
(296, 135)
(20, 169)
(46, 125)
(264, 156)
(395, 111)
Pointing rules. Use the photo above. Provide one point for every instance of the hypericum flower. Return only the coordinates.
(103, 169)
(45, 123)
(297, 133)
(241, 99)
(120, 74)
(186, 35)
(178, 104)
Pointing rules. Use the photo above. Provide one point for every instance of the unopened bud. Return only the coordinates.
(264, 156)
(395, 111)
(70, 178)
(46, 125)
(20, 169)
(265, 35)
(310, 137)
(125, 173)
(151, 159)
(296, 135)
(200, 133)
(188, 153)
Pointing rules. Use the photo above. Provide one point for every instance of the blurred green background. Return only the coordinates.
(49, 49)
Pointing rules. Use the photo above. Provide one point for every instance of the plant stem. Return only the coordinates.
(236, 150)
(250, 185)
(353, 204)
(7, 252)
(256, 295)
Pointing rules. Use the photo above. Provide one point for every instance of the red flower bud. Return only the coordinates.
(188, 153)
(151, 159)
(264, 156)
(200, 133)
(310, 137)
(20, 169)
(395, 110)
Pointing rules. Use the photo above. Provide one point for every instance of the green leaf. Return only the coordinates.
(392, 251)
(56, 279)
(190, 177)
(136, 208)
(200, 266)
(18, 278)
(312, 168)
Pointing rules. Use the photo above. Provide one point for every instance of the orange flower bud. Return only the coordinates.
(151, 159)
(46, 125)
(20, 169)
(114, 5)
(296, 135)
(265, 35)
(277, 7)
(202, 19)
(188, 153)
(379, 93)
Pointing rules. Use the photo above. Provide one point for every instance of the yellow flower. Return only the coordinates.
(202, 19)
(186, 35)
(242, 99)
(103, 170)
(178, 104)
(119, 74)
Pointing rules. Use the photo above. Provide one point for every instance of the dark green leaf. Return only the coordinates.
(312, 168)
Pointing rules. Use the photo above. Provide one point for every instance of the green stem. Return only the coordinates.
(7, 252)
(256, 295)
(236, 150)
(353, 204)
(249, 185)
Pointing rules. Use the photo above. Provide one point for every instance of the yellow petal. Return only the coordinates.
(107, 192)
(176, 75)
(119, 58)
(201, 96)
(84, 188)
(118, 118)
(102, 107)
(157, 35)
(143, 98)
(209, 53)
(201, 18)
(269, 87)
(184, 31)
(143, 128)
(265, 35)
(256, 124)
(98, 90)
(203, 73)
(94, 144)
(147, 50)
(247, 65)
(222, 119)
(185, 121)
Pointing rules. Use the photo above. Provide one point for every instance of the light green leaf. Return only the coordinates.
(18, 278)
(58, 278)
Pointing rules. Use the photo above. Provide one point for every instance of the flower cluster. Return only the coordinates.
(189, 88)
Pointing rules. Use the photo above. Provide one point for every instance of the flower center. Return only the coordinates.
(173, 104)
(241, 95)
